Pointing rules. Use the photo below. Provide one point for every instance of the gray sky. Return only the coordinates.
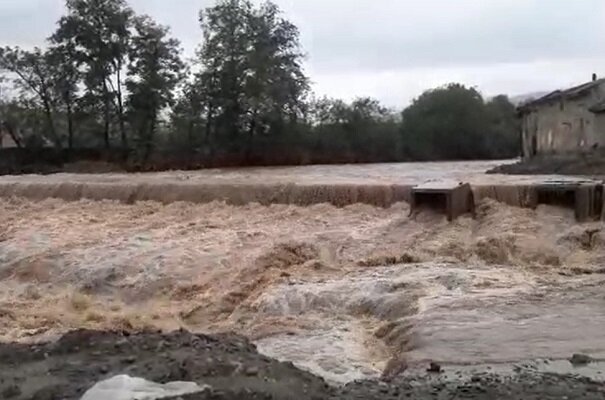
(394, 49)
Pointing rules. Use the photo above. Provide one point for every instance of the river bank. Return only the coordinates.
(230, 368)
(578, 165)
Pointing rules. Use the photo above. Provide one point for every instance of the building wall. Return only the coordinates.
(600, 127)
(564, 127)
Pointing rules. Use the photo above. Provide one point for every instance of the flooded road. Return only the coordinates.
(348, 293)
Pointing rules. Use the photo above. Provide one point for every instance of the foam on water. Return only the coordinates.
(345, 292)
(445, 313)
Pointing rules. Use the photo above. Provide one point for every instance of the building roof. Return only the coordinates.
(570, 93)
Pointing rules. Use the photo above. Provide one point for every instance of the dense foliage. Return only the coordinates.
(454, 122)
(109, 78)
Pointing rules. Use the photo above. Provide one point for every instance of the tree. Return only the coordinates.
(327, 111)
(154, 72)
(363, 130)
(109, 76)
(188, 116)
(8, 118)
(224, 65)
(276, 86)
(99, 31)
(65, 77)
(454, 122)
(251, 76)
(33, 75)
(445, 123)
(23, 119)
(504, 139)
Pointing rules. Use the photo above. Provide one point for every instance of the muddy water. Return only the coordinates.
(345, 292)
(445, 313)
(389, 173)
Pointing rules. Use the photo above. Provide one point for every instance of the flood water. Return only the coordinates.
(451, 321)
(344, 292)
(389, 173)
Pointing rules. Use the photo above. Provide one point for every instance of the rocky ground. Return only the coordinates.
(587, 165)
(233, 368)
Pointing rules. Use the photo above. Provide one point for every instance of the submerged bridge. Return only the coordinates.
(455, 199)
(451, 197)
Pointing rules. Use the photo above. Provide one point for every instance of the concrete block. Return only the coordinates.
(452, 199)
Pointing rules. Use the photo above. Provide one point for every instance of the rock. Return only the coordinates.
(11, 391)
(434, 368)
(124, 387)
(251, 371)
(395, 367)
(161, 346)
(129, 360)
(580, 359)
(121, 343)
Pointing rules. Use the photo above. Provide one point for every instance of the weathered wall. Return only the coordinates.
(600, 127)
(564, 127)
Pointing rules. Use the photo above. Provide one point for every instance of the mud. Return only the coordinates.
(579, 165)
(67, 368)
(232, 367)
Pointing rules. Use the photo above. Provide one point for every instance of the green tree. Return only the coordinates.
(33, 76)
(23, 119)
(188, 117)
(445, 123)
(363, 130)
(224, 64)
(99, 31)
(504, 138)
(9, 119)
(276, 86)
(65, 77)
(153, 74)
(251, 76)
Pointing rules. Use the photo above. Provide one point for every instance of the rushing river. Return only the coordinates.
(345, 292)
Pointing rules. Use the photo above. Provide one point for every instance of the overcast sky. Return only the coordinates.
(394, 49)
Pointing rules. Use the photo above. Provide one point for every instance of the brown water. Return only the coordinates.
(345, 292)
(371, 174)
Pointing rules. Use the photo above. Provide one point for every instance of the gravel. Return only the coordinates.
(233, 368)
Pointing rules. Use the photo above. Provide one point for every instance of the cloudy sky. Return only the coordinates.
(394, 49)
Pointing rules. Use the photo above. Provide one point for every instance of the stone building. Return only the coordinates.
(565, 122)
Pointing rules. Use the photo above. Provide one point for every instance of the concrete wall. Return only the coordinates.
(564, 126)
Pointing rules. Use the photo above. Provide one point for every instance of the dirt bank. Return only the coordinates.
(231, 366)
(589, 166)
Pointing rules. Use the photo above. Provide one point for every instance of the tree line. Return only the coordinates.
(111, 79)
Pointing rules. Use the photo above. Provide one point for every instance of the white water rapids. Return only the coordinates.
(344, 292)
